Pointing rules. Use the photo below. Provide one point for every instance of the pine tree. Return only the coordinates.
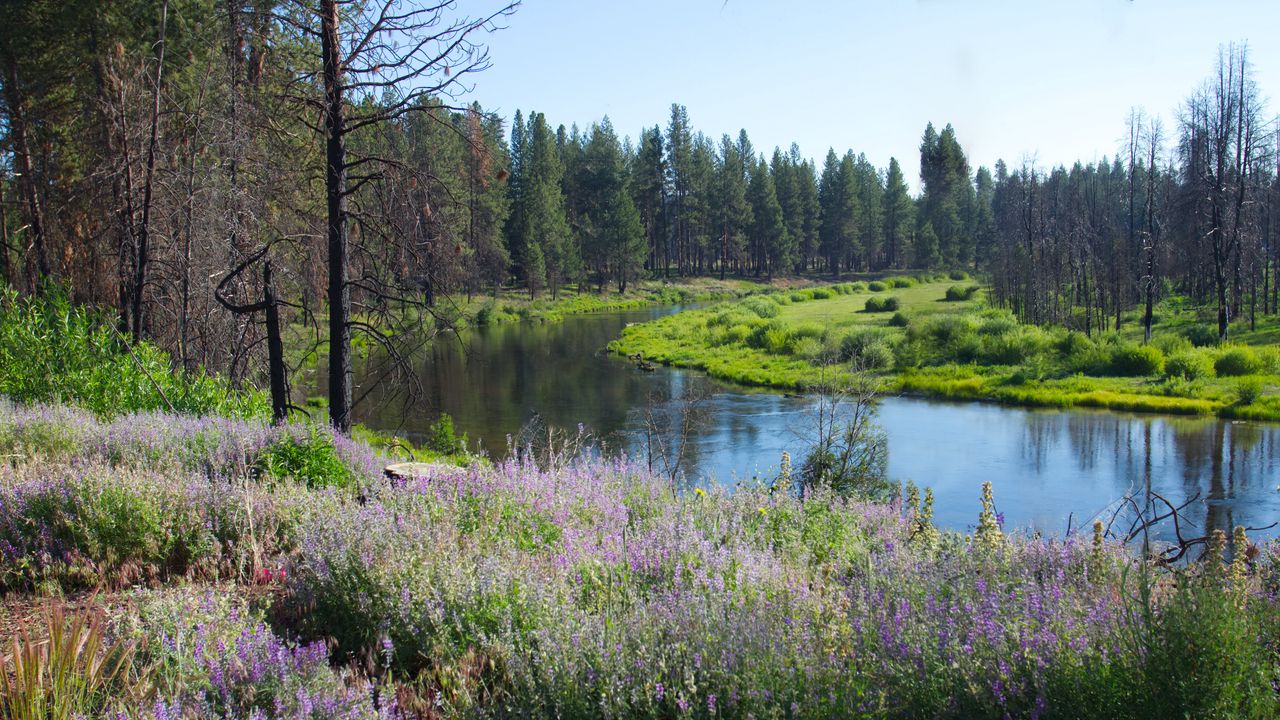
(648, 190)
(871, 227)
(731, 202)
(898, 216)
(769, 239)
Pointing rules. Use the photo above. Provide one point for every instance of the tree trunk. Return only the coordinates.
(275, 349)
(335, 180)
(143, 234)
(26, 170)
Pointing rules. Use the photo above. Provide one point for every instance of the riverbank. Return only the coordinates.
(305, 345)
(933, 336)
(245, 570)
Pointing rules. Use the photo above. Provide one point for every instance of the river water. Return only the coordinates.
(1049, 467)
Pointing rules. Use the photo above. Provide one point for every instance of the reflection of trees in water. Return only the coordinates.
(1228, 464)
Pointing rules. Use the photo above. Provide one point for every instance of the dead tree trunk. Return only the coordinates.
(19, 134)
(275, 345)
(335, 194)
(142, 236)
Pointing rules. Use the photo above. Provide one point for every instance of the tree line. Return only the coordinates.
(202, 166)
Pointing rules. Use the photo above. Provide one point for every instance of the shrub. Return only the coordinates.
(801, 295)
(876, 286)
(1269, 355)
(1171, 344)
(1248, 391)
(1238, 360)
(997, 326)
(956, 293)
(1014, 348)
(881, 304)
(868, 348)
(822, 293)
(53, 351)
(442, 439)
(944, 330)
(877, 355)
(1075, 345)
(900, 282)
(1189, 364)
(856, 287)
(899, 320)
(807, 330)
(307, 455)
(762, 307)
(1201, 335)
(958, 275)
(807, 347)
(1127, 359)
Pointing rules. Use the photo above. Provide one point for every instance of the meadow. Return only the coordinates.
(935, 335)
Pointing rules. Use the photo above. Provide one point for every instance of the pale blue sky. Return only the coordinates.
(1053, 80)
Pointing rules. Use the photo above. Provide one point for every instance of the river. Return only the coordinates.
(1049, 467)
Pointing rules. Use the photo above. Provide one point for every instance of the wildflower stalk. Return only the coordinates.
(988, 535)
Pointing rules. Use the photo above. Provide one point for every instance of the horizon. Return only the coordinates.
(1118, 56)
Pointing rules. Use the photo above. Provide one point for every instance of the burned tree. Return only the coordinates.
(381, 61)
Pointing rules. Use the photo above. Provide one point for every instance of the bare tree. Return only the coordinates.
(848, 450)
(1220, 125)
(380, 61)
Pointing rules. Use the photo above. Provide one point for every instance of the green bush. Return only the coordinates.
(877, 355)
(1014, 348)
(1189, 364)
(822, 293)
(943, 330)
(1201, 335)
(54, 352)
(1129, 360)
(762, 307)
(442, 438)
(1270, 357)
(956, 293)
(307, 456)
(876, 286)
(1238, 360)
(807, 330)
(900, 282)
(958, 275)
(881, 304)
(868, 348)
(1171, 344)
(1075, 345)
(899, 320)
(1248, 391)
(807, 347)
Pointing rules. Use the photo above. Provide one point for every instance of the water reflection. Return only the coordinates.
(1048, 467)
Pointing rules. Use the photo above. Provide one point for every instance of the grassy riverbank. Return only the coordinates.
(933, 335)
(306, 345)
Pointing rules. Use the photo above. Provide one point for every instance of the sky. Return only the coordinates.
(1050, 82)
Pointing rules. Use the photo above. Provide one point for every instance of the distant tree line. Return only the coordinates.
(157, 156)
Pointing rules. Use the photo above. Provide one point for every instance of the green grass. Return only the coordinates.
(962, 349)
(513, 305)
